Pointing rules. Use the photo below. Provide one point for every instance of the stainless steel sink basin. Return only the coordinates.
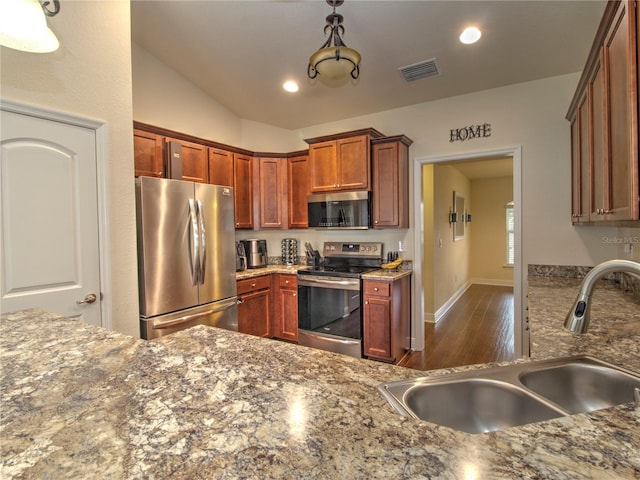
(582, 385)
(473, 405)
(502, 397)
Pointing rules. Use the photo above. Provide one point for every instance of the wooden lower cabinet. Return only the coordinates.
(285, 315)
(254, 306)
(387, 319)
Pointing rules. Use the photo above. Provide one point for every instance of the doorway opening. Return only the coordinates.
(435, 225)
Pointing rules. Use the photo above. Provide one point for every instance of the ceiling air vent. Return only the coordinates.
(419, 70)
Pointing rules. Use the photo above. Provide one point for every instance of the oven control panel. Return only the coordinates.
(353, 249)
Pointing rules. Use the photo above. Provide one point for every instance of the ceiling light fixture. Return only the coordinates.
(290, 86)
(337, 60)
(23, 25)
(470, 35)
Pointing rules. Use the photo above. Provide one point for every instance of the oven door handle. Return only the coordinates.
(351, 284)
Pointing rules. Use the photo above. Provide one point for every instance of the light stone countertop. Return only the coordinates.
(81, 402)
(380, 274)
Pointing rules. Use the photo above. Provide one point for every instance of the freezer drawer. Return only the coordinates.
(222, 314)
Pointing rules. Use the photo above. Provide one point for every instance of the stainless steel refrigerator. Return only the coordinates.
(186, 256)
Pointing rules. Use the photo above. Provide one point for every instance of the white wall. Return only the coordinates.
(164, 98)
(90, 76)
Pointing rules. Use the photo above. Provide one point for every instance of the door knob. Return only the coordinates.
(89, 298)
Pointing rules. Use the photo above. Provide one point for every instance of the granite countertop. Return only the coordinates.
(81, 402)
(388, 275)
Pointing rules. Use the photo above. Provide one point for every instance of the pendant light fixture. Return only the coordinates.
(334, 60)
(23, 25)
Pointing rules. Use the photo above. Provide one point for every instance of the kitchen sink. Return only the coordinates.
(497, 398)
(582, 385)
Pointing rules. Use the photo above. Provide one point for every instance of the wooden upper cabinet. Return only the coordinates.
(580, 162)
(220, 167)
(298, 190)
(390, 172)
(243, 190)
(272, 178)
(621, 195)
(323, 166)
(148, 154)
(194, 161)
(604, 123)
(341, 163)
(354, 163)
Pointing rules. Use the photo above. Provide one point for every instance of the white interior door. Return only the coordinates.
(49, 217)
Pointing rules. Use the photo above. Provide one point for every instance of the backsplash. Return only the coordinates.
(627, 282)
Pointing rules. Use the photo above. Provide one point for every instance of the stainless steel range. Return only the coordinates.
(330, 297)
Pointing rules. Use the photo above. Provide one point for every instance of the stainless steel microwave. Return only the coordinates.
(341, 210)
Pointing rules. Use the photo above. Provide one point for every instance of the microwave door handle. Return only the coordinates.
(202, 251)
(193, 242)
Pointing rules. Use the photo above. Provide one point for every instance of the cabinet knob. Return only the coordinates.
(375, 289)
(253, 285)
(160, 174)
(286, 281)
(295, 294)
(366, 303)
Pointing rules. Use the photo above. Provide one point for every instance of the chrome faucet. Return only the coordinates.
(578, 318)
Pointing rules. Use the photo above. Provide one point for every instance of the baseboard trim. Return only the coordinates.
(449, 303)
(492, 281)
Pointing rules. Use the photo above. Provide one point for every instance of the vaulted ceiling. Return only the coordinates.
(240, 52)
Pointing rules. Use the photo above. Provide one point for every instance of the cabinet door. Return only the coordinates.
(298, 186)
(390, 172)
(273, 193)
(220, 167)
(353, 163)
(620, 196)
(254, 313)
(600, 138)
(323, 166)
(377, 327)
(194, 161)
(243, 190)
(286, 312)
(148, 154)
(580, 162)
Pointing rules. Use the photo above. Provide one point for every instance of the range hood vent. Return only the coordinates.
(425, 69)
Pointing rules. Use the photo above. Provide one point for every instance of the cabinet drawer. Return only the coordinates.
(254, 284)
(288, 281)
(380, 289)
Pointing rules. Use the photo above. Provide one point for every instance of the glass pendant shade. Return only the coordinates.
(335, 62)
(23, 26)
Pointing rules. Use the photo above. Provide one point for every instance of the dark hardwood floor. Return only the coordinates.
(478, 328)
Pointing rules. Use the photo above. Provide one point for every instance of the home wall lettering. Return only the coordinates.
(470, 132)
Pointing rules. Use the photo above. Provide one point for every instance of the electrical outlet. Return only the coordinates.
(401, 246)
(628, 248)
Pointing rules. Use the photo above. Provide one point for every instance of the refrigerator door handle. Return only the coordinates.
(194, 243)
(202, 251)
(218, 307)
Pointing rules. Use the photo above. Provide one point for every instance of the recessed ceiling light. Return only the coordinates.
(290, 86)
(470, 35)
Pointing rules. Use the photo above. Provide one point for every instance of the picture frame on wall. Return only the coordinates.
(459, 215)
